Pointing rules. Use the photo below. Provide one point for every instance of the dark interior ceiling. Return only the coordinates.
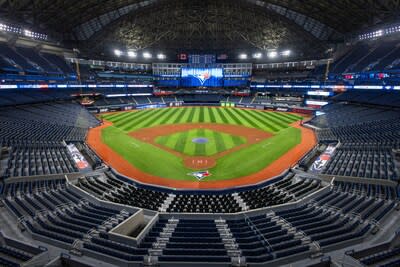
(200, 24)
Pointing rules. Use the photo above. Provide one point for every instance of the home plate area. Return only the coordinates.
(200, 163)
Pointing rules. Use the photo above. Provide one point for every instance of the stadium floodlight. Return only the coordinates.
(272, 54)
(147, 55)
(257, 55)
(132, 54)
(161, 56)
(117, 52)
(286, 53)
(28, 33)
(243, 56)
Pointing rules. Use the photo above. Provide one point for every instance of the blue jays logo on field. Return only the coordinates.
(200, 175)
(202, 77)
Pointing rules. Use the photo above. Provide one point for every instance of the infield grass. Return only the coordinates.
(184, 142)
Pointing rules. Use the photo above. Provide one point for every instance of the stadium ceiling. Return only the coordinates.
(194, 21)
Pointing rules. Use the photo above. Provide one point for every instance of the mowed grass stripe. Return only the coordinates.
(247, 116)
(222, 113)
(136, 114)
(125, 121)
(146, 120)
(180, 142)
(243, 119)
(211, 148)
(133, 123)
(149, 120)
(112, 116)
(170, 141)
(171, 117)
(212, 116)
(237, 140)
(250, 120)
(163, 118)
(275, 127)
(201, 116)
(190, 147)
(163, 139)
(292, 116)
(183, 117)
(196, 116)
(232, 117)
(122, 116)
(225, 116)
(219, 142)
(228, 141)
(200, 149)
(191, 115)
(279, 117)
(266, 122)
(274, 119)
(176, 116)
(207, 117)
(217, 116)
(155, 120)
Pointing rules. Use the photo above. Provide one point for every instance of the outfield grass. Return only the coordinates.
(159, 162)
(267, 121)
(217, 142)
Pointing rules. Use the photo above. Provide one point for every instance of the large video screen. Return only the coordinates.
(207, 77)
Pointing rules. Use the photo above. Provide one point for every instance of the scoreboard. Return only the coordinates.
(202, 75)
(202, 59)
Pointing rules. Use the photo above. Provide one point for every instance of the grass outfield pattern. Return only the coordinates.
(161, 162)
(222, 116)
(212, 115)
(267, 121)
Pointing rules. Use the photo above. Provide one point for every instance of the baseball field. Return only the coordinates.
(197, 144)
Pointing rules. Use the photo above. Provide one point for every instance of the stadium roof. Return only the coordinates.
(194, 23)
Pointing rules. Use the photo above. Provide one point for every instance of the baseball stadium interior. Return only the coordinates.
(199, 133)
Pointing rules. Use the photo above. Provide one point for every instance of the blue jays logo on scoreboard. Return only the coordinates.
(202, 77)
(194, 77)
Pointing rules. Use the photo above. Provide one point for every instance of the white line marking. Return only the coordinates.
(267, 144)
(136, 145)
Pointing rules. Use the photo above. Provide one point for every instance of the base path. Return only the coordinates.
(121, 165)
